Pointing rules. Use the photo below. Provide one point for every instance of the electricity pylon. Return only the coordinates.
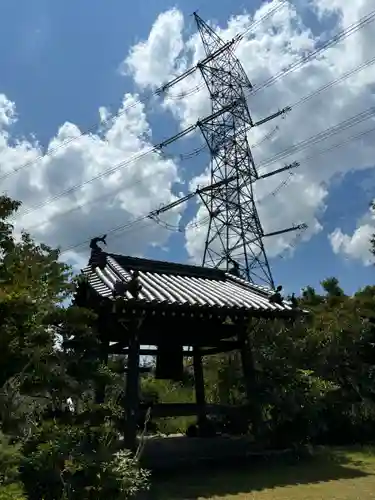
(235, 235)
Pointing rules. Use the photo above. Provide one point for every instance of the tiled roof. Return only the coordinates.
(176, 284)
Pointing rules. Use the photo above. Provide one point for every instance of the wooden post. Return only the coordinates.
(199, 385)
(132, 390)
(248, 367)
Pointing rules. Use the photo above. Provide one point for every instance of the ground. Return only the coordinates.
(334, 475)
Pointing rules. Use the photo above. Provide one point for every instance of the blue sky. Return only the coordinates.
(59, 62)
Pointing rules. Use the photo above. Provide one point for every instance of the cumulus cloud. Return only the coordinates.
(7, 112)
(357, 245)
(271, 47)
(84, 184)
(154, 61)
(81, 165)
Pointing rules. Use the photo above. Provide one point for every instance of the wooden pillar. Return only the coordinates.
(132, 390)
(249, 373)
(199, 384)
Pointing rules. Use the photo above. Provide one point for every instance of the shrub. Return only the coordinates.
(11, 492)
(79, 463)
(10, 458)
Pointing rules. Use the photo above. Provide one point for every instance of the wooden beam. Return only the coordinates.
(188, 409)
(142, 369)
(217, 348)
(120, 349)
(224, 346)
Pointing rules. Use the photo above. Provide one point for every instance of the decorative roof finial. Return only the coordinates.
(276, 297)
(294, 300)
(98, 258)
(235, 270)
(94, 242)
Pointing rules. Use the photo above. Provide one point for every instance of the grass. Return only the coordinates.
(335, 474)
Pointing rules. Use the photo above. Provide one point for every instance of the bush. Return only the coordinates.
(128, 476)
(79, 463)
(12, 492)
(10, 459)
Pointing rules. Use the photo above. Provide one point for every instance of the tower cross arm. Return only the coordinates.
(288, 230)
(273, 116)
(201, 63)
(198, 191)
(275, 233)
(280, 170)
(187, 131)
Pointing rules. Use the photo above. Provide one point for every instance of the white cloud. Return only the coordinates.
(109, 201)
(144, 184)
(356, 246)
(7, 112)
(271, 47)
(153, 62)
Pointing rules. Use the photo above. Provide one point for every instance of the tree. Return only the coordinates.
(332, 288)
(67, 452)
(314, 375)
(33, 286)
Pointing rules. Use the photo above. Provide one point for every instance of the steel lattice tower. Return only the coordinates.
(235, 236)
(235, 233)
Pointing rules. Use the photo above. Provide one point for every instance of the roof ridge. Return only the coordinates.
(166, 267)
(170, 284)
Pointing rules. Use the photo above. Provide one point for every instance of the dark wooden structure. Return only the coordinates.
(151, 303)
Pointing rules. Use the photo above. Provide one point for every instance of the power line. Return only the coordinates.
(325, 134)
(123, 227)
(74, 188)
(329, 85)
(321, 136)
(277, 189)
(344, 34)
(135, 157)
(135, 221)
(354, 204)
(262, 167)
(110, 120)
(112, 193)
(279, 156)
(255, 24)
(68, 141)
(352, 138)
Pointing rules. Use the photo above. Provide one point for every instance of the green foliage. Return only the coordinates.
(314, 380)
(12, 492)
(66, 452)
(167, 391)
(10, 459)
(129, 478)
(332, 288)
(77, 462)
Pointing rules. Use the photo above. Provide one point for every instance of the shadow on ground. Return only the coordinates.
(245, 478)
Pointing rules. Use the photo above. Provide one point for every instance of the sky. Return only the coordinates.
(78, 108)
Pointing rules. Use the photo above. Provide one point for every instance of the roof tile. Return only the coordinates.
(176, 284)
